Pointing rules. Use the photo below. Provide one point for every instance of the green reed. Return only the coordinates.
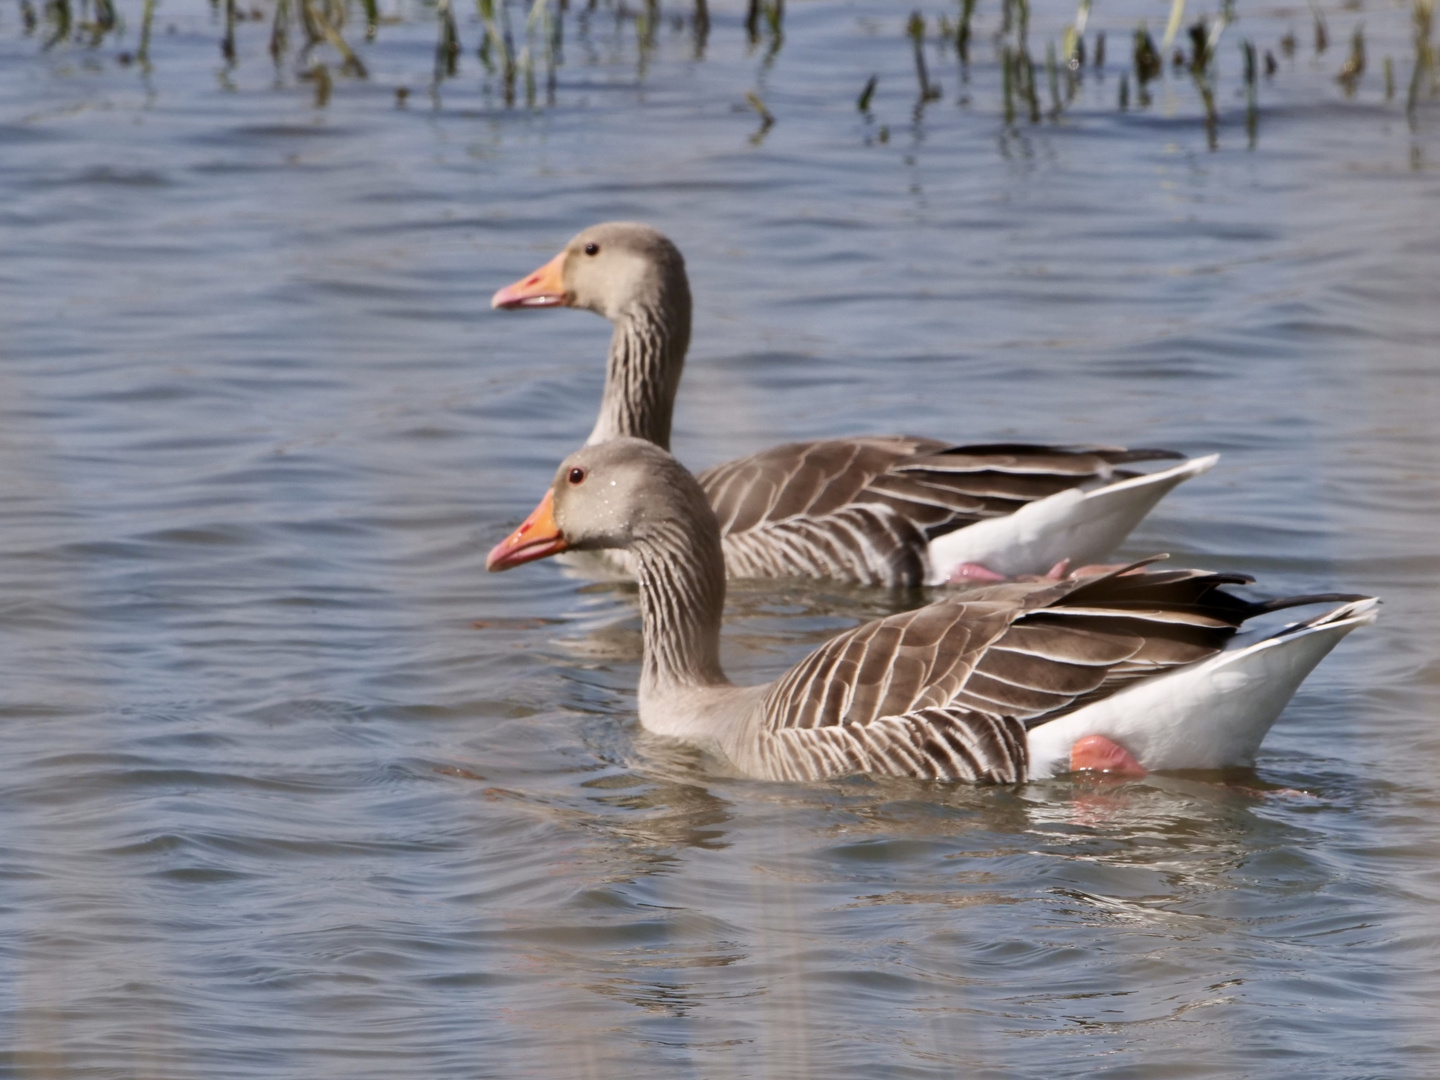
(767, 118)
(862, 103)
(962, 31)
(1423, 16)
(447, 48)
(772, 14)
(227, 43)
(700, 25)
(147, 21)
(1354, 65)
(520, 58)
(915, 28)
(1252, 95)
(57, 12)
(1052, 76)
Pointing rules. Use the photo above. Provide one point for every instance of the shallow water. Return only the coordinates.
(291, 787)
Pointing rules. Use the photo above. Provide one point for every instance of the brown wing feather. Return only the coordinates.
(932, 744)
(869, 545)
(865, 508)
(889, 667)
(813, 478)
(941, 691)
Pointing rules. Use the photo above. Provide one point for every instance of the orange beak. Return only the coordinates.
(537, 537)
(544, 288)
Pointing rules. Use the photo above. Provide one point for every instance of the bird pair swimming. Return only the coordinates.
(1116, 668)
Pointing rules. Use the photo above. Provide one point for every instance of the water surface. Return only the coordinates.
(291, 787)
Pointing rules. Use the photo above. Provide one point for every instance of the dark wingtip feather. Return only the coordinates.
(1264, 607)
(1116, 456)
(1113, 455)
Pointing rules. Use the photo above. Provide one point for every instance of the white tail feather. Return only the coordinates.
(1210, 715)
(1082, 526)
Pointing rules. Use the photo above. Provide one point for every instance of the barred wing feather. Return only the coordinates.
(866, 508)
(948, 691)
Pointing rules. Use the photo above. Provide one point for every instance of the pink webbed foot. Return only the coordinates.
(968, 572)
(1097, 568)
(1096, 753)
(1055, 573)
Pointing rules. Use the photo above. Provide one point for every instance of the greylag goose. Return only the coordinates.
(894, 511)
(1122, 671)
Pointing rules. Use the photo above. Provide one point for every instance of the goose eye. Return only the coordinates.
(592, 249)
(577, 475)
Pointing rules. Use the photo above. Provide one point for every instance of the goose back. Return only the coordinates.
(950, 690)
(865, 509)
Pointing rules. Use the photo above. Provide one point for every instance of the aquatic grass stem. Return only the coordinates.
(1423, 15)
(332, 36)
(447, 48)
(537, 27)
(227, 44)
(1032, 98)
(962, 34)
(1172, 27)
(1073, 40)
(1052, 74)
(700, 24)
(1252, 102)
(1424, 18)
(862, 103)
(915, 28)
(1354, 66)
(147, 21)
(1007, 66)
(1146, 58)
(775, 18)
(103, 22)
(323, 85)
(645, 22)
(1224, 19)
(1322, 32)
(767, 118)
(1207, 99)
(1204, 42)
(58, 12)
(308, 24)
(554, 28)
(498, 40)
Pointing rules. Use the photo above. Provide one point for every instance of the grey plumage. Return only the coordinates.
(949, 691)
(864, 509)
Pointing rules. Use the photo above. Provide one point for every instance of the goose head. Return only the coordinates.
(625, 493)
(608, 269)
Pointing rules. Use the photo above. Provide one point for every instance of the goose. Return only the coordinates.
(1122, 671)
(895, 511)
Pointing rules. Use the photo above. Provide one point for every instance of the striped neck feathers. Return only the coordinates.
(681, 572)
(647, 356)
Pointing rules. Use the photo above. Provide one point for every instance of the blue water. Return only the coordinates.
(292, 787)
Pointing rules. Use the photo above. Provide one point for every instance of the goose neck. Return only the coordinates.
(682, 598)
(647, 355)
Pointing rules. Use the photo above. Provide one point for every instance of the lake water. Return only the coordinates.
(291, 787)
